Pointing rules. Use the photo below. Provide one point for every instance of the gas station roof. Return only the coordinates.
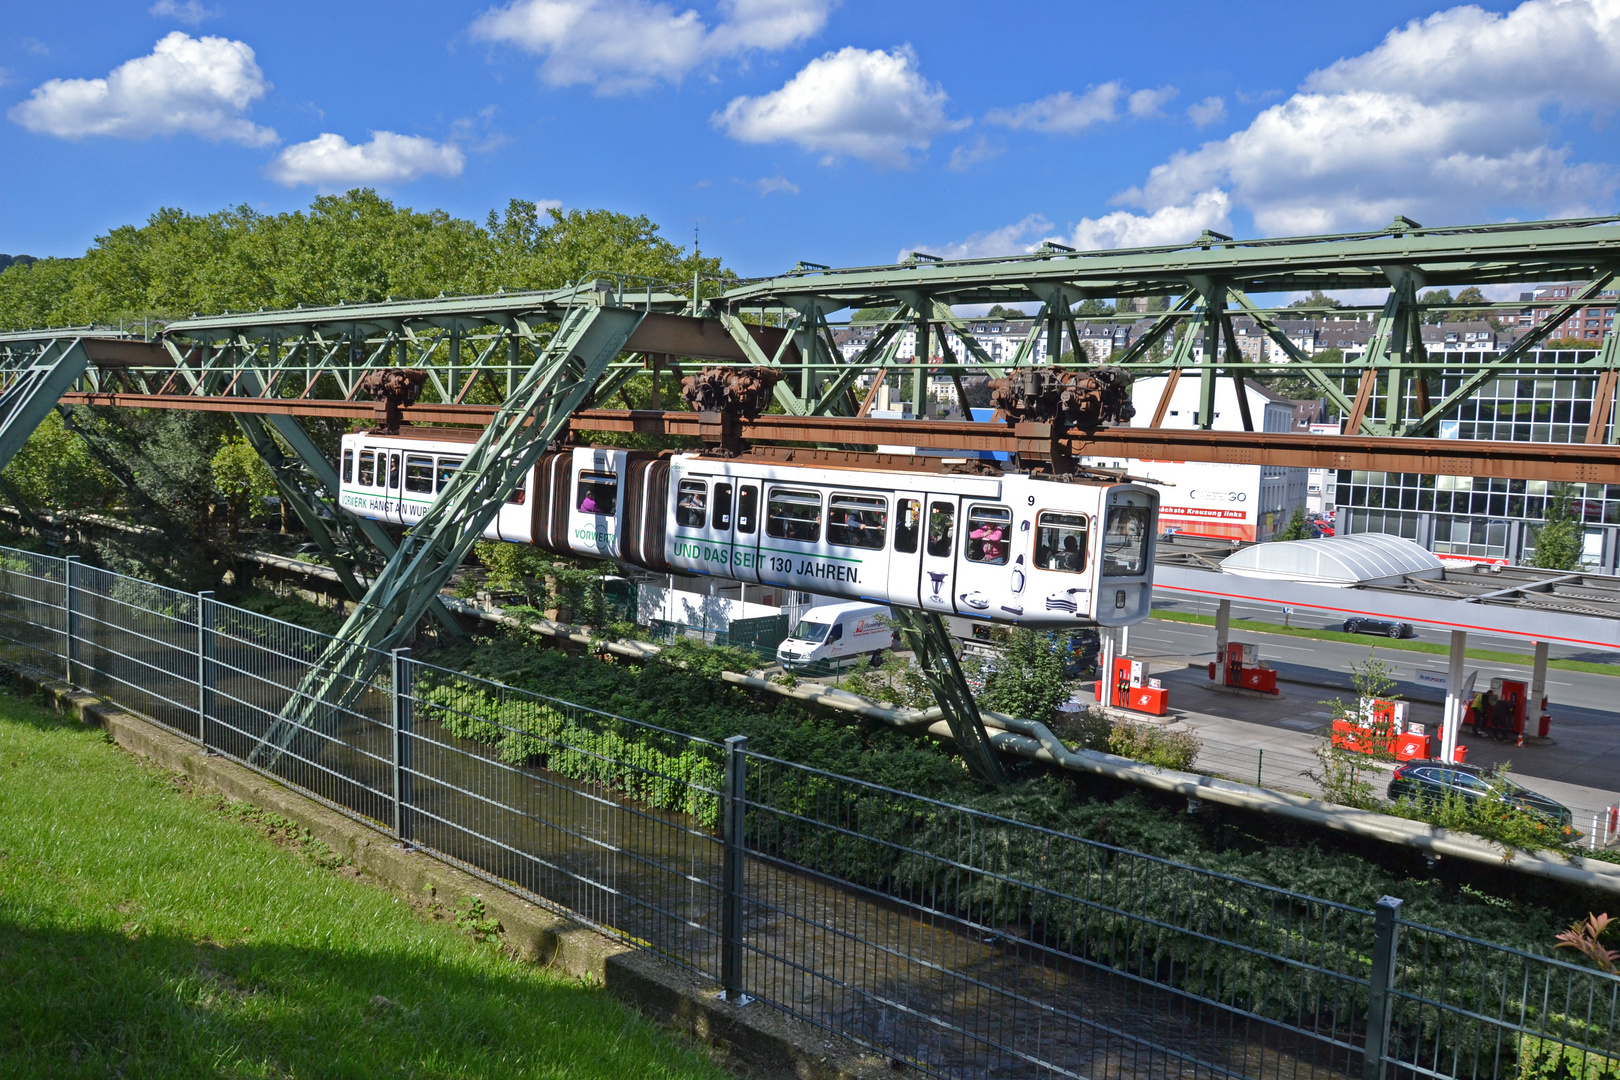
(1572, 607)
(1340, 562)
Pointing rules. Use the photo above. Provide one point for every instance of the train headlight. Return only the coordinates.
(1119, 598)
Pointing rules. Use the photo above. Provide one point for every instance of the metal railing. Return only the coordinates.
(957, 941)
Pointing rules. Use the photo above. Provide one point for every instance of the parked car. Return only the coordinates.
(1430, 782)
(1381, 627)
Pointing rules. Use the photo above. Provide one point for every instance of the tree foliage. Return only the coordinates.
(1316, 299)
(1028, 678)
(1297, 528)
(1560, 539)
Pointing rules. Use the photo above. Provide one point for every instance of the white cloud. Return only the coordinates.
(199, 86)
(546, 205)
(1443, 121)
(1166, 225)
(1150, 103)
(967, 155)
(331, 161)
(191, 12)
(1207, 112)
(623, 45)
(860, 103)
(1063, 113)
(1016, 239)
(7, 76)
(769, 185)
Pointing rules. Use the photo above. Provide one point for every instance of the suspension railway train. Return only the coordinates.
(1011, 548)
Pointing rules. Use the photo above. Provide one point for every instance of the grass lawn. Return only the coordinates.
(1491, 655)
(149, 932)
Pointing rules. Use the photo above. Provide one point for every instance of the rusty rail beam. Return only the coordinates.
(1569, 462)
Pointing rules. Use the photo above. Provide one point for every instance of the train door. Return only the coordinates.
(393, 492)
(596, 508)
(984, 573)
(938, 579)
(906, 554)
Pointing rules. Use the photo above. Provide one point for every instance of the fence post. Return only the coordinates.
(733, 809)
(1385, 942)
(399, 719)
(70, 620)
(205, 634)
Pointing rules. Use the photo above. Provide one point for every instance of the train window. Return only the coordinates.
(940, 518)
(692, 503)
(857, 521)
(909, 526)
(1060, 541)
(722, 507)
(989, 534)
(368, 468)
(1125, 541)
(793, 515)
(597, 493)
(447, 469)
(348, 466)
(419, 474)
(393, 470)
(520, 494)
(747, 508)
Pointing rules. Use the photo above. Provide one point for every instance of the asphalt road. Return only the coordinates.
(1268, 613)
(1585, 707)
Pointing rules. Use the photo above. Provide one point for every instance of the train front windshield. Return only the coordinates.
(1125, 541)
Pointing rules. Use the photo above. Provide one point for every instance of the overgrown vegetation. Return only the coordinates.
(145, 931)
(1093, 729)
(1342, 773)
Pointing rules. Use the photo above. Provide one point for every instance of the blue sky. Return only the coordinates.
(802, 129)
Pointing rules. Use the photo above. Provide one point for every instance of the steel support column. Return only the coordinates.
(924, 634)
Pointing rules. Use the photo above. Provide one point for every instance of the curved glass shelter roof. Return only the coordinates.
(1341, 561)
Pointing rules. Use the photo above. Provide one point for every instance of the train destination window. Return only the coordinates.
(419, 474)
(989, 534)
(857, 521)
(1125, 541)
(908, 527)
(793, 515)
(348, 466)
(393, 470)
(447, 469)
(692, 503)
(368, 468)
(722, 507)
(1060, 542)
(747, 508)
(940, 517)
(597, 493)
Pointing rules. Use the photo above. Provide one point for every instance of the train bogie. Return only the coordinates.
(1013, 549)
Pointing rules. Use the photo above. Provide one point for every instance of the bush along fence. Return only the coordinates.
(958, 942)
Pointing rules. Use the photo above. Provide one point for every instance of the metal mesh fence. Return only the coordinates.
(33, 608)
(962, 943)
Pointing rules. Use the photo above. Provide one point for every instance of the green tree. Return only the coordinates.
(1471, 295)
(999, 312)
(1560, 539)
(1094, 307)
(1028, 678)
(1297, 527)
(1317, 299)
(874, 314)
(55, 471)
(1437, 296)
(242, 480)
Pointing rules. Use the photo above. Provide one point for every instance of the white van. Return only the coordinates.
(835, 636)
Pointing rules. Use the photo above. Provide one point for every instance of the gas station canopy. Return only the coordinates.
(1338, 562)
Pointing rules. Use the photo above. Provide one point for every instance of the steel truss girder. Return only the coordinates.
(587, 339)
(925, 635)
(32, 391)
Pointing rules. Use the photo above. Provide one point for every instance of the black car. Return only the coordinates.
(1381, 627)
(1430, 781)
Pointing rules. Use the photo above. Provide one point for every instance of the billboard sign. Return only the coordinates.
(1207, 499)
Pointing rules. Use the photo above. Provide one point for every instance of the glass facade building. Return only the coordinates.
(1493, 519)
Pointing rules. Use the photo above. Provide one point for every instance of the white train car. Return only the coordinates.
(1012, 548)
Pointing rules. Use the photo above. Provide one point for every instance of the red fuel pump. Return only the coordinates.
(1130, 688)
(1383, 729)
(1503, 712)
(1241, 667)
